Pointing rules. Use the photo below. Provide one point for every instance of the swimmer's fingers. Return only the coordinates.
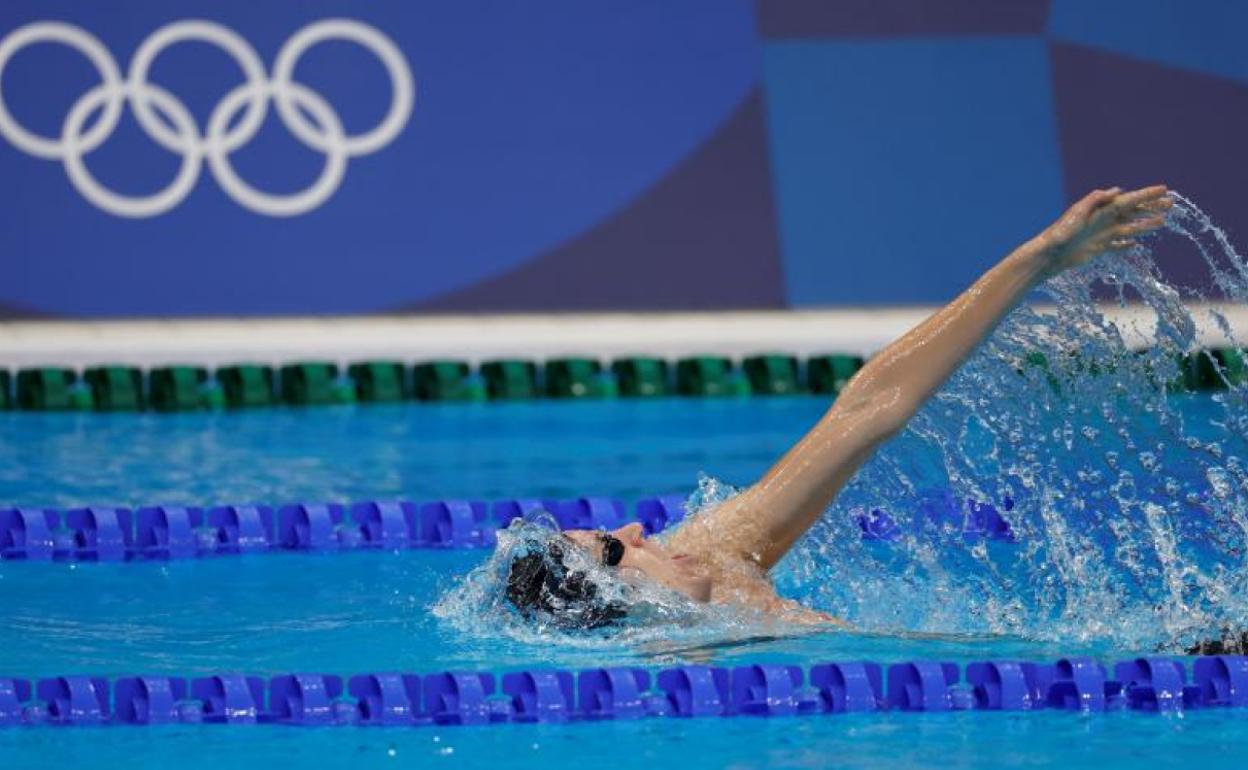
(1164, 203)
(1131, 204)
(1142, 195)
(1095, 200)
(1151, 214)
(1140, 226)
(1094, 224)
(1126, 236)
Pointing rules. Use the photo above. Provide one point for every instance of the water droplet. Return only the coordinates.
(1219, 482)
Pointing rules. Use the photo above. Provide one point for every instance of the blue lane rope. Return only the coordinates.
(1156, 684)
(168, 532)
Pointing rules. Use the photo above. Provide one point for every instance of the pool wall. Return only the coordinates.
(687, 155)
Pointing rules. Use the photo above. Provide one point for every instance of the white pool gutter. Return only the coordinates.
(211, 342)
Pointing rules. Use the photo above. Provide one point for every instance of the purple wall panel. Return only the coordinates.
(619, 157)
(703, 237)
(1131, 122)
(896, 18)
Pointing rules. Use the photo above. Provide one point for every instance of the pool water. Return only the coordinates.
(958, 740)
(624, 448)
(369, 608)
(367, 611)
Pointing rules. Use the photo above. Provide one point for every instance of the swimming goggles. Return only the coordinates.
(612, 549)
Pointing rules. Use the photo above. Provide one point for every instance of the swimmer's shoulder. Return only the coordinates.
(724, 533)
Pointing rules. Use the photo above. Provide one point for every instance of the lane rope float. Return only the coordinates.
(1149, 684)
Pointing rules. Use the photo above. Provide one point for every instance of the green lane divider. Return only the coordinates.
(47, 389)
(510, 379)
(1214, 369)
(342, 391)
(1178, 382)
(641, 377)
(444, 381)
(1192, 370)
(1234, 364)
(576, 378)
(1172, 374)
(772, 375)
(308, 383)
(115, 388)
(212, 395)
(378, 382)
(705, 376)
(828, 374)
(608, 386)
(1037, 360)
(246, 385)
(176, 388)
(81, 398)
(739, 385)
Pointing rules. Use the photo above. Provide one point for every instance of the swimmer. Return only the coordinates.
(724, 554)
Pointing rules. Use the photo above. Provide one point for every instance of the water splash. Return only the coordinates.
(1132, 519)
(477, 606)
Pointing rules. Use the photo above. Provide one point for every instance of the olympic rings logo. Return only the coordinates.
(181, 135)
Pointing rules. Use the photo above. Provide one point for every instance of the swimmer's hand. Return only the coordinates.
(1103, 221)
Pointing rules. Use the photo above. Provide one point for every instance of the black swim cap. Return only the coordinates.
(540, 581)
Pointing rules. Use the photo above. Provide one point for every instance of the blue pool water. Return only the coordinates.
(352, 612)
(1130, 511)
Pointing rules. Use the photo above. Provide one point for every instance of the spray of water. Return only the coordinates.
(1130, 516)
(477, 606)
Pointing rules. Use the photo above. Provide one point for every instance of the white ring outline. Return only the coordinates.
(266, 203)
(203, 31)
(324, 132)
(402, 90)
(95, 52)
(122, 205)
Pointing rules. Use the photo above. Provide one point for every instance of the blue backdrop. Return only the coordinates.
(566, 155)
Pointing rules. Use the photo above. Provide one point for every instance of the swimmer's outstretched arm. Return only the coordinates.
(768, 518)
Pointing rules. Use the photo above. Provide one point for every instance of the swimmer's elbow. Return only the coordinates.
(895, 421)
(880, 415)
(886, 424)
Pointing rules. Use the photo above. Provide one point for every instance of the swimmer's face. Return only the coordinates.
(677, 571)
